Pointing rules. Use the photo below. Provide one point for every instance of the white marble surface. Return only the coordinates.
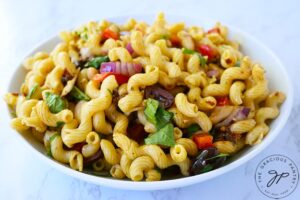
(26, 23)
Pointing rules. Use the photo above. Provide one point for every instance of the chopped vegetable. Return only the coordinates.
(127, 69)
(213, 73)
(164, 97)
(175, 40)
(238, 64)
(222, 101)
(97, 61)
(59, 124)
(32, 91)
(121, 79)
(207, 160)
(53, 137)
(218, 156)
(214, 30)
(150, 110)
(98, 78)
(77, 94)
(49, 153)
(162, 117)
(208, 51)
(192, 129)
(55, 102)
(129, 48)
(203, 140)
(157, 115)
(107, 33)
(201, 58)
(238, 113)
(165, 136)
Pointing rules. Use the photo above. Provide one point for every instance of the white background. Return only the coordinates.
(26, 23)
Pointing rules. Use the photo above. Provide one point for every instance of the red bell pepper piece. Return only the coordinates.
(107, 33)
(203, 140)
(222, 101)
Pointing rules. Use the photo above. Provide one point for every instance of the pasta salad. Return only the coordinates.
(132, 100)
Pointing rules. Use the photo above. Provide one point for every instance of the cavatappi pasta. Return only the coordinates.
(134, 99)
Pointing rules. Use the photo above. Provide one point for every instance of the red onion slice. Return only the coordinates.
(127, 69)
(129, 48)
(213, 73)
(239, 113)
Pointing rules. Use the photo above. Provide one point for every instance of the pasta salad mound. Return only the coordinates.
(131, 100)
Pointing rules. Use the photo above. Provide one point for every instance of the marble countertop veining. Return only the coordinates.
(25, 23)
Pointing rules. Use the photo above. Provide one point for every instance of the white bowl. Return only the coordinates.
(276, 74)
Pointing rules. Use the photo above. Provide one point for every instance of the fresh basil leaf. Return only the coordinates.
(207, 168)
(188, 51)
(59, 124)
(55, 102)
(97, 61)
(150, 110)
(218, 156)
(192, 129)
(77, 94)
(53, 137)
(32, 91)
(165, 136)
(162, 117)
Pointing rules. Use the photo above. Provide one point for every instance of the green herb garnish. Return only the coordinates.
(77, 94)
(190, 52)
(55, 102)
(49, 153)
(238, 64)
(59, 124)
(207, 168)
(32, 91)
(97, 61)
(218, 156)
(53, 137)
(161, 119)
(150, 110)
(192, 129)
(165, 136)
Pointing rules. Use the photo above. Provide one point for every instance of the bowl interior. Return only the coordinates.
(278, 80)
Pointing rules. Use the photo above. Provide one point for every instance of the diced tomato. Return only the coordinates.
(208, 51)
(222, 101)
(175, 40)
(136, 132)
(214, 30)
(98, 78)
(203, 140)
(107, 33)
(121, 78)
